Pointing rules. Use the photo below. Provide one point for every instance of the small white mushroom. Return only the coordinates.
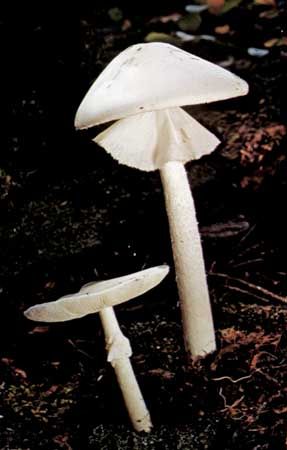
(144, 87)
(101, 297)
(95, 296)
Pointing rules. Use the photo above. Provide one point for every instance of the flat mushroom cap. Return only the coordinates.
(93, 297)
(153, 76)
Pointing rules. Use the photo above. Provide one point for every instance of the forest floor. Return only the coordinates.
(70, 214)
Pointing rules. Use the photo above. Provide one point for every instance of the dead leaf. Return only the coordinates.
(271, 42)
(170, 18)
(51, 390)
(186, 37)
(162, 37)
(270, 14)
(215, 6)
(230, 335)
(196, 8)
(50, 284)
(115, 14)
(7, 361)
(257, 52)
(190, 22)
(207, 37)
(21, 373)
(165, 374)
(55, 364)
(224, 29)
(219, 7)
(282, 41)
(230, 4)
(255, 360)
(227, 62)
(265, 2)
(126, 25)
(39, 330)
(62, 440)
(8, 180)
(282, 410)
(278, 42)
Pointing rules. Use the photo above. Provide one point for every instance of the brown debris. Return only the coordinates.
(165, 374)
(258, 142)
(263, 375)
(215, 6)
(62, 441)
(223, 29)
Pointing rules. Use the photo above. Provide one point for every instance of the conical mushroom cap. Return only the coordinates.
(153, 76)
(93, 297)
(149, 140)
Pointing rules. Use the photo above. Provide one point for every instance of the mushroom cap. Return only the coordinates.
(93, 297)
(149, 140)
(153, 76)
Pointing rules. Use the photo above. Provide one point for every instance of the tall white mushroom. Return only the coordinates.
(144, 87)
(101, 297)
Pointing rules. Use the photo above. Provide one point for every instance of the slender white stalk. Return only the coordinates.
(188, 258)
(119, 352)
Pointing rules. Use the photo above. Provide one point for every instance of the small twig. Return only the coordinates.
(226, 406)
(268, 377)
(242, 291)
(78, 349)
(283, 274)
(260, 429)
(280, 366)
(248, 262)
(223, 397)
(231, 379)
(260, 289)
(245, 251)
(247, 234)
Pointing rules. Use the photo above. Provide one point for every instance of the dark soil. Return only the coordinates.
(69, 214)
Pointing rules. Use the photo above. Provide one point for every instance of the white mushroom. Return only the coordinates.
(144, 87)
(101, 297)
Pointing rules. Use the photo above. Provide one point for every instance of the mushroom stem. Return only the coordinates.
(119, 352)
(195, 305)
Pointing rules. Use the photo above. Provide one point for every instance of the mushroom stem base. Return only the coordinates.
(195, 305)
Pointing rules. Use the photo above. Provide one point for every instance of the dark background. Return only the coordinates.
(69, 215)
